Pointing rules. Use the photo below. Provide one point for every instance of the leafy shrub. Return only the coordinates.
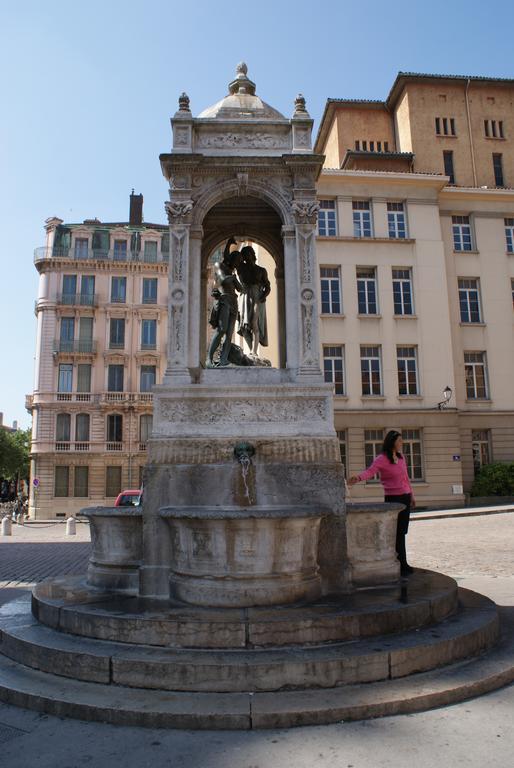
(495, 479)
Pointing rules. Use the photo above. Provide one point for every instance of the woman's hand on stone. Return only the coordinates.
(352, 480)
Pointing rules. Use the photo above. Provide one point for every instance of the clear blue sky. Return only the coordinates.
(88, 87)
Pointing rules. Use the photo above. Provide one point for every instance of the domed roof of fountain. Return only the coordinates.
(241, 102)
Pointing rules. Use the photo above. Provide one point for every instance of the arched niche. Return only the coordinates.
(249, 218)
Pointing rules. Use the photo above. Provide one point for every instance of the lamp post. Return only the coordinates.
(447, 393)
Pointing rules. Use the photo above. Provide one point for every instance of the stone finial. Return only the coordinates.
(183, 103)
(299, 105)
(242, 83)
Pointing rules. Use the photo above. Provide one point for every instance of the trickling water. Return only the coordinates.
(245, 462)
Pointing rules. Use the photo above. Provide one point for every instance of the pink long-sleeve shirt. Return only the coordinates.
(393, 477)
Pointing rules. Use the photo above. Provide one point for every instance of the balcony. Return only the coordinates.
(75, 347)
(44, 254)
(77, 299)
(29, 401)
(114, 446)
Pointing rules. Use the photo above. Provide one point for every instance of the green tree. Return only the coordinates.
(15, 454)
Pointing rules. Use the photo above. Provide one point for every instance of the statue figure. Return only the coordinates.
(224, 312)
(256, 288)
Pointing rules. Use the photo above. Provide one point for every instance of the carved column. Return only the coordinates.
(292, 316)
(179, 217)
(305, 216)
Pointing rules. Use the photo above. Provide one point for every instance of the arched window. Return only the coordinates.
(82, 428)
(63, 428)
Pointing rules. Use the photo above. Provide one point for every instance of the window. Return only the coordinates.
(87, 290)
(82, 428)
(85, 334)
(469, 300)
(65, 379)
(367, 290)
(461, 229)
(402, 292)
(62, 481)
(100, 245)
(448, 166)
(333, 368)
(115, 378)
(165, 246)
(412, 453)
(396, 220)
(81, 481)
(117, 333)
(149, 290)
(119, 290)
(84, 378)
(114, 428)
(67, 334)
(341, 436)
(148, 334)
(476, 375)
(112, 481)
(327, 218)
(69, 289)
(373, 442)
(147, 378)
(481, 448)
(150, 252)
(509, 235)
(63, 428)
(120, 250)
(145, 428)
(498, 170)
(512, 291)
(371, 377)
(407, 371)
(361, 218)
(445, 126)
(330, 290)
(81, 247)
(493, 129)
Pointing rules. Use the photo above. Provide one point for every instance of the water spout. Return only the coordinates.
(243, 453)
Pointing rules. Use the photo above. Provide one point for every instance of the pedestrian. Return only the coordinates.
(391, 466)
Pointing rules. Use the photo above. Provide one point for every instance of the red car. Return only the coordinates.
(129, 498)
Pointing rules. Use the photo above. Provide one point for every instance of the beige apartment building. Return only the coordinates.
(416, 257)
(415, 250)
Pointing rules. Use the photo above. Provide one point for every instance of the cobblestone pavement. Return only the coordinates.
(35, 552)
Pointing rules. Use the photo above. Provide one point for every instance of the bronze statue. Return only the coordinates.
(224, 312)
(256, 288)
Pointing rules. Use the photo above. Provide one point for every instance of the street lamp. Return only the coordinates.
(447, 393)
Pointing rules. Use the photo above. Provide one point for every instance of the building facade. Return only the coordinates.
(415, 250)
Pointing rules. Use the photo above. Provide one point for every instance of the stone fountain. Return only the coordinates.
(245, 593)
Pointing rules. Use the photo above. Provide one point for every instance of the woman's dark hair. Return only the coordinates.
(390, 440)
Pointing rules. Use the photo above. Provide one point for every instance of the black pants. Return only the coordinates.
(403, 524)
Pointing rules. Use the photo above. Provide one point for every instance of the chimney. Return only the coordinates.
(15, 425)
(136, 209)
(1, 418)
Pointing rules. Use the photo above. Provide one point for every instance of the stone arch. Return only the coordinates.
(229, 188)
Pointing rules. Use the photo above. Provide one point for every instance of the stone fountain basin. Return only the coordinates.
(228, 556)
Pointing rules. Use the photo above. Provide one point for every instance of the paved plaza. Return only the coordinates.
(477, 551)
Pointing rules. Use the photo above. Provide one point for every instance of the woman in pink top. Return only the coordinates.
(391, 466)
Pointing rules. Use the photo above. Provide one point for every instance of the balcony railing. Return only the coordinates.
(114, 446)
(78, 299)
(135, 398)
(75, 347)
(44, 253)
(67, 445)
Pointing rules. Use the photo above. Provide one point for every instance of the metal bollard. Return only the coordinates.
(71, 526)
(7, 526)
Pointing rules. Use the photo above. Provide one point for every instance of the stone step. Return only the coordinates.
(44, 692)
(471, 630)
(68, 604)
